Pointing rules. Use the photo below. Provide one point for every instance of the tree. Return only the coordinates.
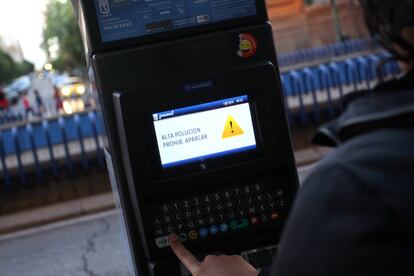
(61, 37)
(9, 69)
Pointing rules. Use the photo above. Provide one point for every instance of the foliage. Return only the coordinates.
(62, 33)
(9, 69)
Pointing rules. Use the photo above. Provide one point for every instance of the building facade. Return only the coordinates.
(298, 25)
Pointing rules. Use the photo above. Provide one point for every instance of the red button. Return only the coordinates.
(254, 220)
(274, 216)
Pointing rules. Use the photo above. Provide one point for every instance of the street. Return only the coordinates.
(86, 246)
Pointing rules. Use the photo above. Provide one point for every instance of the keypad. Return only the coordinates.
(219, 212)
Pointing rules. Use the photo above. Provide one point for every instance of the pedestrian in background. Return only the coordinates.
(39, 103)
(4, 103)
(58, 100)
(26, 105)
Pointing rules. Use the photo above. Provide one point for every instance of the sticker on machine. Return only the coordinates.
(247, 45)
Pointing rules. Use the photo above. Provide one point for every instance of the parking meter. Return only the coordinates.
(197, 141)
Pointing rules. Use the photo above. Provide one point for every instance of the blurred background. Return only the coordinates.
(52, 165)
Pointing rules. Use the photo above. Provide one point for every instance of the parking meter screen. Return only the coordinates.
(123, 19)
(201, 132)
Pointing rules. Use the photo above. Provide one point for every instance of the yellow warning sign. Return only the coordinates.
(232, 128)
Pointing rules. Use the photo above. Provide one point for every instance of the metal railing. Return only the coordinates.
(67, 145)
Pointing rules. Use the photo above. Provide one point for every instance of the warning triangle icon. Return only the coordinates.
(232, 128)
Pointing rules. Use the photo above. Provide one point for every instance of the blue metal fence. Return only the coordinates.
(46, 136)
(328, 51)
(304, 85)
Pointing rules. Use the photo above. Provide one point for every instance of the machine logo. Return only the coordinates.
(104, 7)
(247, 45)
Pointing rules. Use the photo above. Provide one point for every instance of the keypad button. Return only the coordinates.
(169, 229)
(270, 195)
(217, 196)
(250, 200)
(259, 198)
(183, 237)
(201, 222)
(167, 219)
(208, 210)
(159, 232)
(219, 207)
(257, 187)
(279, 192)
(186, 204)
(231, 215)
(239, 224)
(203, 232)
(178, 216)
(274, 216)
(241, 212)
(165, 208)
(224, 227)
(180, 227)
(193, 235)
(236, 192)
(162, 242)
(157, 221)
(196, 201)
(207, 199)
(221, 217)
(198, 212)
(188, 214)
(264, 218)
(252, 210)
(213, 230)
(282, 203)
(191, 225)
(175, 206)
(227, 195)
(254, 220)
(247, 190)
(211, 220)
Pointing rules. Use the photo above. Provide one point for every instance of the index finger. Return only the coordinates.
(185, 256)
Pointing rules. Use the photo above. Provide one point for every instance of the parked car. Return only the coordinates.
(72, 87)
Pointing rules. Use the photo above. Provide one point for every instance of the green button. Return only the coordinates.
(239, 224)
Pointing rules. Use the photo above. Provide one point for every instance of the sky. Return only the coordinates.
(23, 20)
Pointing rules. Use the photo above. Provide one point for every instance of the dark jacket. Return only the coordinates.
(355, 213)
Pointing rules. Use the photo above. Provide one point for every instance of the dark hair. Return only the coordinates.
(386, 19)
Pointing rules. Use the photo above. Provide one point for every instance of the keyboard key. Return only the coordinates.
(274, 216)
(213, 230)
(180, 227)
(157, 221)
(193, 235)
(217, 196)
(186, 204)
(203, 232)
(183, 237)
(159, 232)
(254, 220)
(165, 208)
(239, 224)
(224, 227)
(162, 242)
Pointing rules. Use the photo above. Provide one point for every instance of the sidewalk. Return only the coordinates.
(93, 204)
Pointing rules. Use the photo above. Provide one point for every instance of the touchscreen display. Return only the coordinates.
(201, 132)
(123, 19)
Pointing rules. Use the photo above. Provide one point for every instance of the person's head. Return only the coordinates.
(392, 24)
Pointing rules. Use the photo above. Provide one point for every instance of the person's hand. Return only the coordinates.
(212, 265)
